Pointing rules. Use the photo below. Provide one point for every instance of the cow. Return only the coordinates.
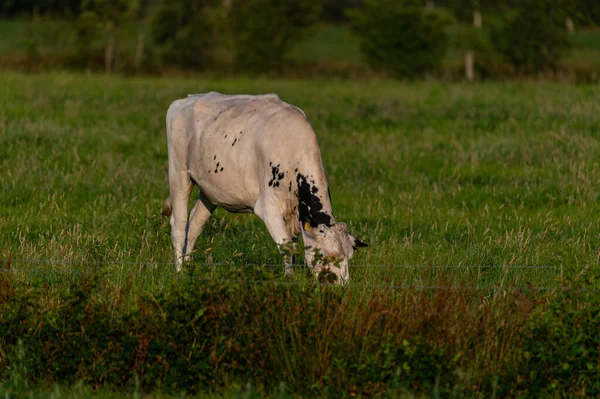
(253, 153)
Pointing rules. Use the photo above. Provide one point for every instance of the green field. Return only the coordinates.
(466, 188)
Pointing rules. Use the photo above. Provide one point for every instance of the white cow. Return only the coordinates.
(253, 154)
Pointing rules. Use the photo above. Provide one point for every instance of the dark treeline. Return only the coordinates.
(399, 37)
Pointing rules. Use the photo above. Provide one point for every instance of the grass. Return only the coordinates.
(428, 173)
(481, 178)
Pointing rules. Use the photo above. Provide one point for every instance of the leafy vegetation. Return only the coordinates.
(534, 38)
(264, 31)
(400, 36)
(183, 33)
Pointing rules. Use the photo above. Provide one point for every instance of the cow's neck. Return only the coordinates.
(314, 202)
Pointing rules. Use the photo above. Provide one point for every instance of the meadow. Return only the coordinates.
(479, 203)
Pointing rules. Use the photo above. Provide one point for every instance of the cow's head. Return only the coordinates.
(328, 250)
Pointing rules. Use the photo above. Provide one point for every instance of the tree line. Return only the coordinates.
(401, 37)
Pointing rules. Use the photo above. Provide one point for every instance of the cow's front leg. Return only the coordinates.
(280, 234)
(181, 188)
(198, 217)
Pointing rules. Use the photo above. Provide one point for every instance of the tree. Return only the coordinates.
(470, 38)
(265, 30)
(400, 35)
(106, 20)
(183, 31)
(42, 7)
(335, 10)
(533, 37)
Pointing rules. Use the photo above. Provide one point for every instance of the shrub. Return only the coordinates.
(182, 32)
(400, 36)
(561, 348)
(103, 23)
(208, 334)
(265, 30)
(533, 37)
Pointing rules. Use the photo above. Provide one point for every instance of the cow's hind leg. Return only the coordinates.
(200, 214)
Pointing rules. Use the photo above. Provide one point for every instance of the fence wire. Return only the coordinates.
(297, 265)
(404, 286)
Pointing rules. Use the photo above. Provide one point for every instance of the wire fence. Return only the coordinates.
(45, 272)
(297, 265)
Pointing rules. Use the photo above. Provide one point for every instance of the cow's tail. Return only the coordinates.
(167, 207)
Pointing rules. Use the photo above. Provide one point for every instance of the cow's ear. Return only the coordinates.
(356, 243)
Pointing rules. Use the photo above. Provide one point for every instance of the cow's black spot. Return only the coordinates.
(310, 206)
(277, 175)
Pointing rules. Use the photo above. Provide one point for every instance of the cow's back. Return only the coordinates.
(233, 143)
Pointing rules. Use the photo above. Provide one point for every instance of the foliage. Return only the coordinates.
(585, 12)
(210, 334)
(463, 9)
(400, 36)
(264, 31)
(60, 7)
(334, 11)
(562, 349)
(183, 32)
(533, 37)
(104, 22)
(206, 334)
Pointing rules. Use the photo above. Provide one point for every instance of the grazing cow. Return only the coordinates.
(253, 154)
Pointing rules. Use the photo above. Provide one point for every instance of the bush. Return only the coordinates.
(400, 36)
(533, 37)
(101, 28)
(334, 11)
(562, 347)
(211, 335)
(182, 32)
(264, 31)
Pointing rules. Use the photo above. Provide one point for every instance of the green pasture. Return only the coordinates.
(429, 174)
(485, 188)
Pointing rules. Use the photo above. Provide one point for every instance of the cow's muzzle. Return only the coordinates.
(328, 274)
